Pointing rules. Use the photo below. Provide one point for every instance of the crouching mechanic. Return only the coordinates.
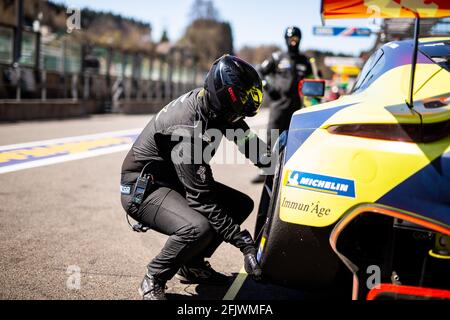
(166, 187)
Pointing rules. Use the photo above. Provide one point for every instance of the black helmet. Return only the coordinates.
(234, 89)
(290, 35)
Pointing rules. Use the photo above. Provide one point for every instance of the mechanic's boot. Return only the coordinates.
(201, 273)
(152, 288)
(258, 179)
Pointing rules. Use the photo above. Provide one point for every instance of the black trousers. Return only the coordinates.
(191, 237)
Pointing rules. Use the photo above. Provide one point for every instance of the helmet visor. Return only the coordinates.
(251, 100)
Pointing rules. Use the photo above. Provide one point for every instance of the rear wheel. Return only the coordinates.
(269, 197)
(290, 254)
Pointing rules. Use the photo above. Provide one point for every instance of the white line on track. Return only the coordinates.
(253, 122)
(102, 135)
(68, 157)
(65, 158)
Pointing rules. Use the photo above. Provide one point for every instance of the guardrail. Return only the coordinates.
(57, 67)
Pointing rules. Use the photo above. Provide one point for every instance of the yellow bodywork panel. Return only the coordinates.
(374, 166)
(329, 174)
(437, 88)
(374, 102)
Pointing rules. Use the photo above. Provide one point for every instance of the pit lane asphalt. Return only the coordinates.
(58, 218)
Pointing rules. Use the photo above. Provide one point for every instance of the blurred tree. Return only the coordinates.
(207, 36)
(204, 9)
(8, 11)
(102, 28)
(164, 36)
(256, 55)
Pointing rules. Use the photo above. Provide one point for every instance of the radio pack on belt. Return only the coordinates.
(142, 183)
(137, 197)
(140, 188)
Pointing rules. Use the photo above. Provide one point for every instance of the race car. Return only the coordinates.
(360, 200)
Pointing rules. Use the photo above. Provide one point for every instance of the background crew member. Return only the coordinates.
(282, 72)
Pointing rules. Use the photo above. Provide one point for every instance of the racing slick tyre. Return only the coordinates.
(293, 255)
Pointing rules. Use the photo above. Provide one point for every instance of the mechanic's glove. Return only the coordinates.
(244, 241)
(251, 263)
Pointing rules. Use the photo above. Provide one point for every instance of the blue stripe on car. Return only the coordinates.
(395, 54)
(304, 124)
(426, 192)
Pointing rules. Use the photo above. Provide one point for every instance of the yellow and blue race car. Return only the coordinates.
(360, 200)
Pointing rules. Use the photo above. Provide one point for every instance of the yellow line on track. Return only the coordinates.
(236, 286)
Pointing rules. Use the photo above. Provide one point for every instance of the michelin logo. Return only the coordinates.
(320, 183)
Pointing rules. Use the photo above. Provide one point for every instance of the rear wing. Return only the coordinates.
(348, 9)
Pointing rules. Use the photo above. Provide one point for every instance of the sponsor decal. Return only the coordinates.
(434, 44)
(393, 45)
(314, 207)
(125, 190)
(232, 95)
(261, 249)
(320, 183)
(342, 31)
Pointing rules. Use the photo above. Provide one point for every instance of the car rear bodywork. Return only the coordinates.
(367, 153)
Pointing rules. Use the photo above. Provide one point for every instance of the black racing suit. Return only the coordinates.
(196, 212)
(282, 72)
